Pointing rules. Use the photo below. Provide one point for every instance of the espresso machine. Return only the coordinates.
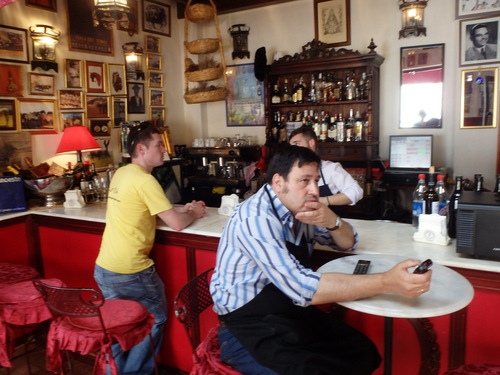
(212, 172)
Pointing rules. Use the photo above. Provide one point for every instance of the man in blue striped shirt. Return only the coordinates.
(264, 288)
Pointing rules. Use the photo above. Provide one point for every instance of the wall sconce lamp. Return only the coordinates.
(107, 12)
(133, 60)
(412, 17)
(45, 39)
(240, 40)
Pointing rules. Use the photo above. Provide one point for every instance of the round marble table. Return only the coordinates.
(449, 292)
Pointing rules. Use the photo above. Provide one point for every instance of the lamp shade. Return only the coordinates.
(77, 138)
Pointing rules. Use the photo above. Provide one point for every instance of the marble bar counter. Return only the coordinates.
(375, 237)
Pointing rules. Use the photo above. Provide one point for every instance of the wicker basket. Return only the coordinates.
(208, 74)
(200, 46)
(206, 96)
(200, 13)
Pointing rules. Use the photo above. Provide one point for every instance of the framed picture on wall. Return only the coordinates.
(119, 110)
(100, 128)
(470, 8)
(153, 62)
(95, 76)
(37, 115)
(43, 4)
(8, 115)
(11, 80)
(72, 119)
(70, 99)
(41, 84)
(156, 17)
(73, 78)
(97, 106)
(152, 44)
(131, 26)
(14, 46)
(117, 78)
(155, 79)
(479, 41)
(135, 97)
(332, 22)
(157, 114)
(156, 98)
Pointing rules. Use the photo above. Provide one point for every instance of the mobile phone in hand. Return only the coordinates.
(423, 267)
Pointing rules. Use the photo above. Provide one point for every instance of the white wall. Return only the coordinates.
(287, 27)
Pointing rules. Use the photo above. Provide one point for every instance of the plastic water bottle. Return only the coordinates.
(442, 193)
(418, 199)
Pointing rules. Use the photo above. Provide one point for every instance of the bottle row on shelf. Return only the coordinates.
(322, 88)
(328, 128)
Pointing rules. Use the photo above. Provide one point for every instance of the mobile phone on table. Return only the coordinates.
(423, 267)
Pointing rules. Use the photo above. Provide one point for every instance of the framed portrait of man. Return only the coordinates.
(479, 41)
(135, 102)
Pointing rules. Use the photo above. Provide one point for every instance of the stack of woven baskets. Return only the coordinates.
(201, 13)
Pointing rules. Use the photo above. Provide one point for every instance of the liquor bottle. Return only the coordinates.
(338, 91)
(316, 124)
(358, 127)
(282, 133)
(340, 129)
(286, 98)
(350, 87)
(319, 88)
(275, 127)
(328, 88)
(453, 208)
(323, 131)
(363, 91)
(418, 199)
(299, 91)
(442, 196)
(349, 127)
(312, 90)
(431, 196)
(478, 183)
(332, 129)
(276, 98)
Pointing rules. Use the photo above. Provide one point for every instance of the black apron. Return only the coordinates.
(290, 339)
(325, 191)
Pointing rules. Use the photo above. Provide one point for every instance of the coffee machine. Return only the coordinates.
(212, 172)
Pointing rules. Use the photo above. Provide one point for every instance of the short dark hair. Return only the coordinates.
(141, 133)
(477, 26)
(283, 161)
(307, 131)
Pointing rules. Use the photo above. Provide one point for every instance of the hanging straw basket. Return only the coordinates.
(208, 74)
(200, 13)
(206, 96)
(200, 46)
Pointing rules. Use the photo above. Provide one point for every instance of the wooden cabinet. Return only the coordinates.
(336, 64)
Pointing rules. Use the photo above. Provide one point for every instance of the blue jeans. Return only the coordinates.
(147, 288)
(235, 355)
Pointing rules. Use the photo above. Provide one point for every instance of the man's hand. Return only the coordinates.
(399, 281)
(318, 214)
(198, 208)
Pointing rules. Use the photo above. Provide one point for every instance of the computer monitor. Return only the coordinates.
(410, 152)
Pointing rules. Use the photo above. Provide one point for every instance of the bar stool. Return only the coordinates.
(14, 273)
(20, 305)
(475, 369)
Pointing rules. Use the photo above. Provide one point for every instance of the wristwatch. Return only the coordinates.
(338, 224)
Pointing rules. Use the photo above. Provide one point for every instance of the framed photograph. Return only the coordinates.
(97, 106)
(95, 76)
(119, 110)
(43, 4)
(70, 99)
(155, 79)
(156, 17)
(153, 62)
(332, 22)
(474, 8)
(157, 114)
(117, 79)
(131, 26)
(37, 115)
(100, 128)
(14, 46)
(72, 119)
(479, 41)
(135, 98)
(245, 102)
(8, 115)
(156, 98)
(73, 78)
(41, 84)
(152, 44)
(82, 35)
(479, 98)
(11, 80)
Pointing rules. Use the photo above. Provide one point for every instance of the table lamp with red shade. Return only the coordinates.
(79, 139)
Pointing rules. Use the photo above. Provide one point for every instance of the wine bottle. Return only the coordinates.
(276, 97)
(431, 196)
(453, 207)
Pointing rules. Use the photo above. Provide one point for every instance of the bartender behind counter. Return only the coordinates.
(264, 289)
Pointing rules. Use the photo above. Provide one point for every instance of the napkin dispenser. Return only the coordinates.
(228, 204)
(432, 229)
(73, 199)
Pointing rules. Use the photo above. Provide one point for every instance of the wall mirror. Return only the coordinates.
(479, 98)
(421, 98)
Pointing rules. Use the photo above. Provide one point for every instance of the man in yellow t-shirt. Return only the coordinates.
(123, 267)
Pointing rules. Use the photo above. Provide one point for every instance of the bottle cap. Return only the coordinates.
(421, 176)
(440, 177)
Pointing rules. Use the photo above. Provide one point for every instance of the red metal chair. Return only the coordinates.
(190, 302)
(84, 322)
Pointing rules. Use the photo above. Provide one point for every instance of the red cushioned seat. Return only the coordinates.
(84, 322)
(475, 369)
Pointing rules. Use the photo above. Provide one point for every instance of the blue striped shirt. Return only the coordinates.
(252, 253)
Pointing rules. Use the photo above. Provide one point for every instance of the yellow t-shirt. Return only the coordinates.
(135, 198)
